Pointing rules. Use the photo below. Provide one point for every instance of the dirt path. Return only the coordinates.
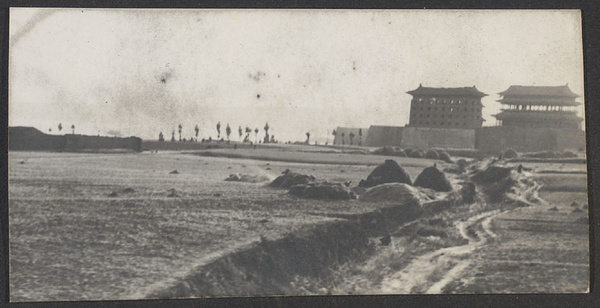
(431, 272)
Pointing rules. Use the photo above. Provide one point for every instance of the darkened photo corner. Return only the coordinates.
(191, 153)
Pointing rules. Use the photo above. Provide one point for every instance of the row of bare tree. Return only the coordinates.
(60, 127)
(247, 131)
(351, 136)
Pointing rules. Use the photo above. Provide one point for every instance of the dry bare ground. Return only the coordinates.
(539, 248)
(119, 226)
(113, 226)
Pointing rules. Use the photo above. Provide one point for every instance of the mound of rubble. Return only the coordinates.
(433, 178)
(399, 192)
(289, 179)
(323, 191)
(388, 172)
(496, 182)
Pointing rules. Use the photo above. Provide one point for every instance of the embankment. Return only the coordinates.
(271, 267)
(276, 267)
(31, 139)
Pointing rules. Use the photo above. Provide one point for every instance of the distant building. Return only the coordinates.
(458, 108)
(535, 118)
(539, 107)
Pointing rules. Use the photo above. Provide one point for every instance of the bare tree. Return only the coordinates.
(218, 129)
(256, 135)
(334, 133)
(161, 137)
(59, 127)
(343, 135)
(266, 128)
(248, 131)
(307, 138)
(241, 132)
(360, 136)
(197, 130)
(228, 131)
(180, 127)
(173, 136)
(73, 128)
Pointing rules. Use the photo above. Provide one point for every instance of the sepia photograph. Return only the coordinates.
(194, 153)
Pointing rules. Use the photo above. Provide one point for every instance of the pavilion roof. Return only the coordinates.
(546, 91)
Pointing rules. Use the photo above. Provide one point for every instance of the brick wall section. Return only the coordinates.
(380, 136)
(425, 138)
(501, 138)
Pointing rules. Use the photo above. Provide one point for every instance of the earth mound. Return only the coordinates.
(388, 172)
(492, 174)
(496, 181)
(400, 192)
(432, 154)
(326, 191)
(289, 179)
(433, 178)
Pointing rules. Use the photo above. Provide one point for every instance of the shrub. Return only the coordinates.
(408, 152)
(417, 154)
(400, 154)
(568, 154)
(445, 156)
(510, 153)
(432, 154)
(384, 151)
(543, 154)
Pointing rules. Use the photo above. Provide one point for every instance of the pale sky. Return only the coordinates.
(139, 72)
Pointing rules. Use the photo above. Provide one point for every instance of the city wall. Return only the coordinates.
(501, 138)
(384, 136)
(425, 138)
(31, 139)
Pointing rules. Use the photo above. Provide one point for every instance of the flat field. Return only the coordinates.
(115, 226)
(120, 226)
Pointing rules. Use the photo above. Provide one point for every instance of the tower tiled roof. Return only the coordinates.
(462, 91)
(557, 91)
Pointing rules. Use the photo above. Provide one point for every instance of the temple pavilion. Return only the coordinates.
(539, 107)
